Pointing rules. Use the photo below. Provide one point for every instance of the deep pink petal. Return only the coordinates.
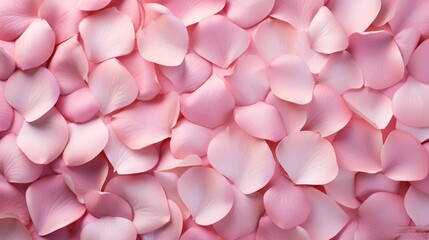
(268, 230)
(7, 63)
(102, 204)
(91, 5)
(6, 111)
(416, 204)
(238, 11)
(12, 201)
(368, 184)
(12, 229)
(416, 65)
(79, 106)
(342, 189)
(192, 11)
(299, 13)
(109, 228)
(188, 138)
(16, 16)
(172, 230)
(411, 15)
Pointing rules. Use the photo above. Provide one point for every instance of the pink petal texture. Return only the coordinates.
(192, 11)
(407, 41)
(91, 5)
(15, 17)
(109, 228)
(206, 193)
(8, 65)
(297, 12)
(411, 15)
(268, 230)
(342, 189)
(172, 229)
(416, 203)
(249, 164)
(368, 184)
(107, 34)
(12, 202)
(307, 158)
(6, 111)
(416, 66)
(11, 228)
(102, 204)
(188, 138)
(238, 11)
(52, 205)
(79, 106)
(24, 89)
(219, 40)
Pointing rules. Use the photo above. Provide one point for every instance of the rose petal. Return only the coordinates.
(407, 41)
(6, 111)
(172, 230)
(169, 162)
(411, 15)
(15, 17)
(314, 60)
(12, 201)
(109, 228)
(91, 5)
(238, 11)
(268, 230)
(11, 229)
(298, 13)
(198, 233)
(192, 11)
(342, 189)
(422, 134)
(416, 203)
(416, 66)
(188, 138)
(7, 63)
(368, 184)
(79, 106)
(102, 204)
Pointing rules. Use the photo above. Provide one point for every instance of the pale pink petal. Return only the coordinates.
(131, 8)
(326, 218)
(340, 65)
(52, 205)
(172, 230)
(266, 121)
(239, 11)
(192, 11)
(286, 204)
(188, 138)
(307, 158)
(153, 9)
(190, 74)
(144, 74)
(327, 113)
(102, 204)
(7, 63)
(358, 147)
(210, 105)
(314, 60)
(12, 201)
(86, 141)
(274, 38)
(355, 16)
(12, 229)
(169, 162)
(380, 216)
(416, 65)
(62, 233)
(62, 16)
(245, 160)
(219, 40)
(326, 34)
(14, 165)
(195, 233)
(109, 228)
(409, 103)
(206, 193)
(403, 158)
(246, 207)
(268, 230)
(145, 123)
(374, 51)
(368, 184)
(69, 65)
(386, 13)
(299, 13)
(411, 15)
(348, 232)
(291, 80)
(422, 134)
(416, 204)
(43, 140)
(107, 34)
(15, 17)
(249, 81)
(79, 106)
(39, 34)
(6, 111)
(371, 105)
(175, 40)
(146, 197)
(342, 189)
(407, 41)
(32, 93)
(127, 161)
(92, 5)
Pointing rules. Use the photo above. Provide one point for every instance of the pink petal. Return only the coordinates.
(172, 230)
(206, 193)
(422, 134)
(86, 141)
(127, 161)
(107, 34)
(327, 112)
(342, 189)
(79, 106)
(188, 138)
(409, 103)
(411, 15)
(190, 74)
(102, 204)
(249, 81)
(307, 158)
(314, 60)
(380, 215)
(371, 105)
(274, 38)
(6, 111)
(169, 162)
(52, 205)
(403, 158)
(326, 34)
(407, 41)
(7, 63)
(15, 17)
(219, 40)
(146, 123)
(12, 201)
(245, 160)
(172, 49)
(246, 207)
(291, 79)
(39, 34)
(326, 218)
(192, 11)
(416, 205)
(266, 121)
(368, 184)
(146, 197)
(374, 51)
(194, 233)
(286, 204)
(23, 92)
(131, 8)
(109, 228)
(238, 11)
(340, 65)
(70, 66)
(12, 229)
(299, 13)
(268, 230)
(358, 147)
(43, 140)
(14, 165)
(416, 65)
(386, 13)
(91, 5)
(355, 16)
(210, 105)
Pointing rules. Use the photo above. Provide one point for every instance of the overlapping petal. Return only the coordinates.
(109, 228)
(79, 106)
(15, 17)
(192, 11)
(104, 204)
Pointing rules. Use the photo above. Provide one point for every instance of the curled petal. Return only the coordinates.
(416, 204)
(169, 162)
(299, 13)
(245, 160)
(12, 202)
(102, 204)
(416, 65)
(268, 230)
(11, 229)
(368, 184)
(238, 11)
(172, 230)
(79, 106)
(386, 13)
(188, 138)
(6, 111)
(206, 193)
(91, 5)
(192, 11)
(7, 63)
(109, 228)
(220, 41)
(15, 17)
